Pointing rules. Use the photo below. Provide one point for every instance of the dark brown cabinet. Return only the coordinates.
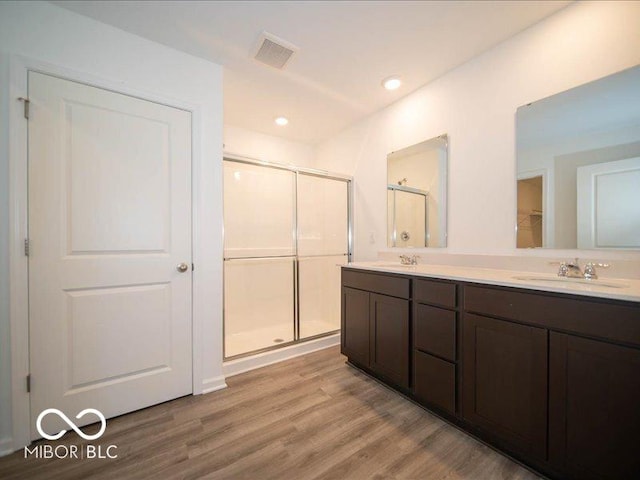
(389, 351)
(594, 408)
(375, 324)
(504, 383)
(355, 325)
(434, 344)
(434, 331)
(434, 382)
(553, 379)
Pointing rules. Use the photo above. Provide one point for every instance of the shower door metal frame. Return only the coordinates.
(414, 191)
(296, 280)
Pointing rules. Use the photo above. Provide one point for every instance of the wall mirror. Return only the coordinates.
(417, 195)
(578, 167)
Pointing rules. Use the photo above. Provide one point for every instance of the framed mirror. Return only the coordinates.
(417, 195)
(578, 167)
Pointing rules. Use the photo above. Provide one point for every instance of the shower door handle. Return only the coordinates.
(182, 267)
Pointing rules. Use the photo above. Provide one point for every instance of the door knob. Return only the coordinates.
(182, 267)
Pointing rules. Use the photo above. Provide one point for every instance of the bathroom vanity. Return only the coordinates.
(547, 372)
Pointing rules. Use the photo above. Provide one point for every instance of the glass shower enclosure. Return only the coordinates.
(407, 216)
(286, 233)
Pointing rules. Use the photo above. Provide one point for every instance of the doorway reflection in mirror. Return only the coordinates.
(585, 144)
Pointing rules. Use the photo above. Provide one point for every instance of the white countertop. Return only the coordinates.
(620, 289)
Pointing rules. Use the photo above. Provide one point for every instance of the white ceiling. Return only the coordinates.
(346, 49)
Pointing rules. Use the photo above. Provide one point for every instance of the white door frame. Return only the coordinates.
(19, 66)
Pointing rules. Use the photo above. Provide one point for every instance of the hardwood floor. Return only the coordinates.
(313, 417)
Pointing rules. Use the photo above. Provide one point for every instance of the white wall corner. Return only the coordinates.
(6, 446)
(213, 384)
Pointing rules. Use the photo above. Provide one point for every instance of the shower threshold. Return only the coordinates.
(254, 341)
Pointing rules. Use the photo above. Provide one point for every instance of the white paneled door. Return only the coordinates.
(110, 251)
(608, 204)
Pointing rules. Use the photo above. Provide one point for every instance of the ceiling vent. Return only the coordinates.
(273, 51)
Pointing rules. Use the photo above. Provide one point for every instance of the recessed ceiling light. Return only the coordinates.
(282, 121)
(391, 83)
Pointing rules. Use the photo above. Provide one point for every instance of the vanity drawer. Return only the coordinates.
(434, 331)
(496, 302)
(434, 381)
(608, 319)
(434, 292)
(377, 283)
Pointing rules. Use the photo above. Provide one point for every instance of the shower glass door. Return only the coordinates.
(258, 304)
(323, 245)
(286, 233)
(259, 257)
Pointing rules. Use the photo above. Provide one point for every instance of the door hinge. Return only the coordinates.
(26, 247)
(29, 383)
(26, 103)
(193, 267)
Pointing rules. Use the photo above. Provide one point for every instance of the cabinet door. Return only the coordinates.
(505, 382)
(390, 338)
(355, 325)
(594, 408)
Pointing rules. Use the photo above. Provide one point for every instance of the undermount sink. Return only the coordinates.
(581, 281)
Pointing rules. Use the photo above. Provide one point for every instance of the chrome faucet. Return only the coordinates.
(590, 269)
(573, 270)
(570, 269)
(409, 260)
